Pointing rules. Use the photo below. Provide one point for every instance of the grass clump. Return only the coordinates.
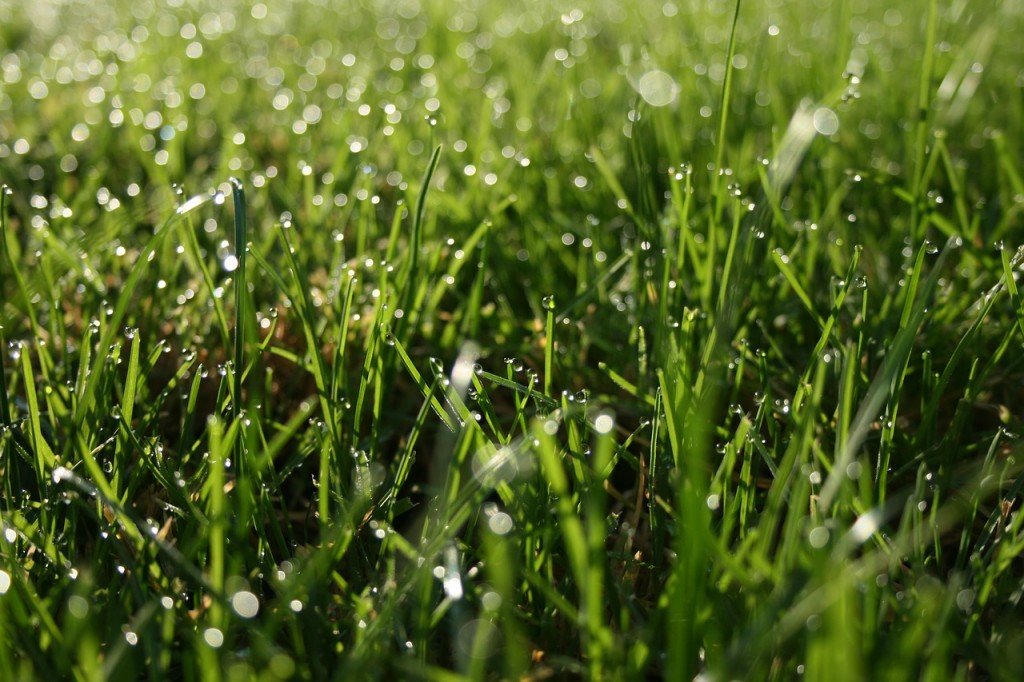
(537, 340)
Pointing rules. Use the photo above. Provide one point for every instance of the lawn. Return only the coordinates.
(416, 339)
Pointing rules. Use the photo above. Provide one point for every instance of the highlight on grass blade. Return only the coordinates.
(192, 203)
(797, 139)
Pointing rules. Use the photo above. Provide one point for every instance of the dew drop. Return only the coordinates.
(213, 637)
(245, 603)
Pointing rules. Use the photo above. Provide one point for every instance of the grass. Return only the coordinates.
(610, 341)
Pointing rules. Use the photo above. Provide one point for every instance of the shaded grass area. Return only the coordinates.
(532, 340)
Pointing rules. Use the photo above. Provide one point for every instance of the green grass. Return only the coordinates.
(609, 340)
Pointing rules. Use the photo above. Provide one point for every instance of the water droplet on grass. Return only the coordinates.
(245, 603)
(213, 637)
(604, 423)
(500, 523)
(78, 606)
(825, 121)
(658, 88)
(818, 537)
(965, 599)
(491, 601)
